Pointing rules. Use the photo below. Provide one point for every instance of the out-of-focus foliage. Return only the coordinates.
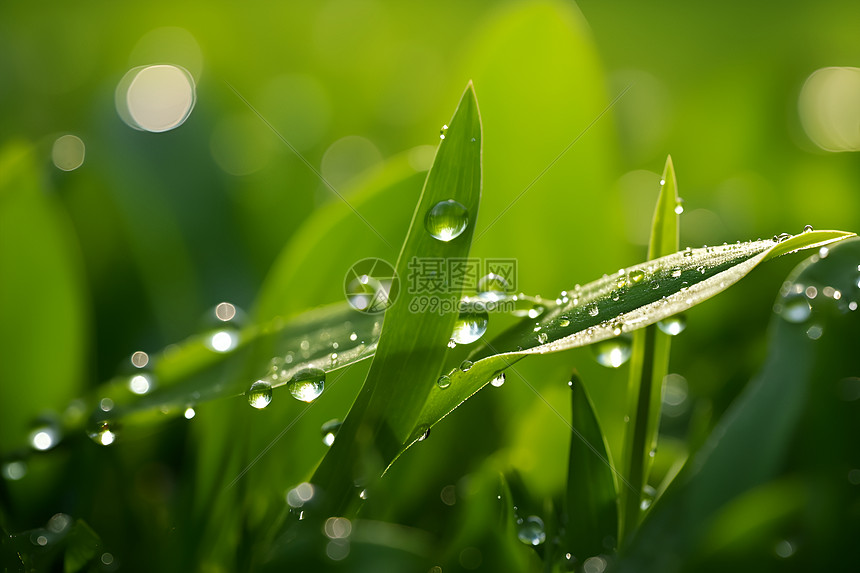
(132, 249)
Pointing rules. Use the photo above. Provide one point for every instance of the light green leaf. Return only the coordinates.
(412, 345)
(43, 306)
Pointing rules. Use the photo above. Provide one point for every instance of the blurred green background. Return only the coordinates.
(131, 250)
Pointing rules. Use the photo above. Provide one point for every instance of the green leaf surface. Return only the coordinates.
(649, 363)
(43, 308)
(83, 543)
(412, 345)
(627, 300)
(591, 502)
(752, 441)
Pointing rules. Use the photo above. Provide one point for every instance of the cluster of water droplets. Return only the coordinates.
(801, 303)
(531, 530)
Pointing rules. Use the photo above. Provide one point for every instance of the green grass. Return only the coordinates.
(754, 465)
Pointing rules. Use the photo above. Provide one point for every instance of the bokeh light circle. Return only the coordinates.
(155, 98)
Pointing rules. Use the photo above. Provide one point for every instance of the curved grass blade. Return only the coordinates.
(591, 503)
(412, 344)
(649, 363)
(759, 431)
(630, 299)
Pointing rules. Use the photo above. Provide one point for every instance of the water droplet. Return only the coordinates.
(564, 323)
(823, 252)
(808, 229)
(446, 220)
(676, 273)
(363, 493)
(679, 207)
(688, 252)
(260, 394)
(307, 385)
(617, 327)
(796, 309)
(531, 531)
(612, 353)
(593, 311)
(781, 237)
(784, 549)
(140, 384)
(499, 380)
(189, 413)
(223, 340)
(106, 404)
(466, 365)
(422, 433)
(45, 436)
(443, 382)
(353, 337)
(814, 332)
(493, 287)
(471, 324)
(225, 311)
(569, 562)
(140, 359)
(542, 337)
(674, 325)
(636, 276)
(452, 344)
(103, 433)
(329, 431)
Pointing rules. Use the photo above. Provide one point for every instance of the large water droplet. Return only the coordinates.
(542, 337)
(260, 394)
(796, 309)
(612, 353)
(307, 385)
(466, 365)
(446, 220)
(471, 324)
(103, 433)
(493, 287)
(531, 531)
(443, 382)
(499, 380)
(329, 431)
(636, 276)
(673, 325)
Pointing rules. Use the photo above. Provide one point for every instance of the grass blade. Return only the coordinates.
(649, 364)
(412, 344)
(591, 502)
(759, 432)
